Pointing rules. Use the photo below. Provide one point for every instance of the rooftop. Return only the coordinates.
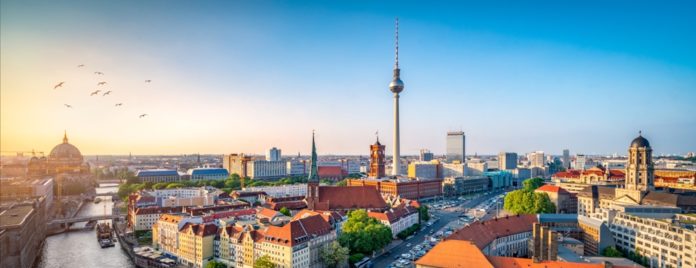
(15, 215)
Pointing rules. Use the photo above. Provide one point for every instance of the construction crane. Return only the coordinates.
(21, 153)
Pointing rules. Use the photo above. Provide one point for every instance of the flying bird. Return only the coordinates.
(98, 73)
(106, 93)
(80, 66)
(148, 81)
(68, 105)
(101, 83)
(143, 115)
(58, 85)
(119, 104)
(95, 92)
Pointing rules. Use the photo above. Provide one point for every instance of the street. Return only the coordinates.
(446, 217)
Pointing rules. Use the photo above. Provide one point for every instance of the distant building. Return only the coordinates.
(507, 161)
(280, 191)
(426, 170)
(236, 164)
(580, 162)
(465, 185)
(536, 159)
(426, 155)
(157, 175)
(499, 179)
(262, 169)
(564, 201)
(566, 159)
(20, 188)
(450, 170)
(208, 173)
(334, 173)
(273, 154)
(403, 187)
(476, 167)
(296, 168)
(377, 169)
(456, 147)
(397, 219)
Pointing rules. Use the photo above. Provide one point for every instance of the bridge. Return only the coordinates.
(82, 219)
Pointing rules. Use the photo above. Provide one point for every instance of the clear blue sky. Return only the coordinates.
(243, 76)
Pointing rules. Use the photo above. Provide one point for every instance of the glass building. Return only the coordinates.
(456, 146)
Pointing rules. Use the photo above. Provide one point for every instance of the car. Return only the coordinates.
(405, 256)
(396, 257)
(408, 245)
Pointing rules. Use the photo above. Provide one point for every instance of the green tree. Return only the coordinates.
(356, 257)
(175, 185)
(160, 185)
(334, 254)
(362, 234)
(612, 252)
(264, 262)
(526, 201)
(343, 182)
(285, 211)
(532, 184)
(423, 213)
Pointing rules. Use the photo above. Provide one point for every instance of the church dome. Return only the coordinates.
(65, 151)
(640, 142)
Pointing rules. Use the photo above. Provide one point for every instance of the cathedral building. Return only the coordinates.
(66, 164)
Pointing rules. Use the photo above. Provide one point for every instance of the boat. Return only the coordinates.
(105, 235)
(97, 200)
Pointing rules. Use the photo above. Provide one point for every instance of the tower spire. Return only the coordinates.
(65, 136)
(396, 63)
(313, 172)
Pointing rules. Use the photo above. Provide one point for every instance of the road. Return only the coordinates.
(446, 216)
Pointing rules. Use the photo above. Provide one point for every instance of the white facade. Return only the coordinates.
(536, 159)
(453, 170)
(261, 169)
(511, 245)
(280, 191)
(476, 167)
(296, 168)
(423, 170)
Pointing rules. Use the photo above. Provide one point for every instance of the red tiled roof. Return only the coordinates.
(454, 253)
(268, 213)
(571, 173)
(204, 229)
(483, 233)
(156, 210)
(393, 215)
(349, 197)
(227, 214)
(552, 189)
(330, 171)
(287, 204)
(298, 231)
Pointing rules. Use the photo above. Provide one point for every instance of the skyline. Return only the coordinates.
(242, 77)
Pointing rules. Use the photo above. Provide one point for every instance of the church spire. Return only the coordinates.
(65, 136)
(396, 86)
(313, 172)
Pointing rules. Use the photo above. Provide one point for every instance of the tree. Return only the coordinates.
(285, 211)
(215, 264)
(175, 185)
(356, 257)
(423, 213)
(525, 201)
(532, 184)
(343, 182)
(362, 234)
(264, 262)
(612, 252)
(334, 254)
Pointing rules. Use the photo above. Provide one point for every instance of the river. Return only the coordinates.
(81, 249)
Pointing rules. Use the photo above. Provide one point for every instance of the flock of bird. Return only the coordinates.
(96, 92)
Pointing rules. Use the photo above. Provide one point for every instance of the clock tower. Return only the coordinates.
(377, 160)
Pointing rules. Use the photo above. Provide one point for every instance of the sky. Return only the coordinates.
(244, 76)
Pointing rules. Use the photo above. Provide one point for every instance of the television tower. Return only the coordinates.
(396, 86)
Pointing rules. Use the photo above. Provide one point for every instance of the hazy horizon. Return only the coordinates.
(233, 77)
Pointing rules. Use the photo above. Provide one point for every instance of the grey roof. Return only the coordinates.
(640, 142)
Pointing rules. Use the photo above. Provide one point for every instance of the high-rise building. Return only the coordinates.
(580, 162)
(536, 159)
(236, 164)
(377, 160)
(273, 154)
(396, 86)
(566, 158)
(426, 155)
(640, 170)
(456, 151)
(507, 161)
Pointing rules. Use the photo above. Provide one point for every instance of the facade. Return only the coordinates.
(273, 154)
(507, 161)
(507, 236)
(465, 185)
(426, 170)
(165, 233)
(261, 169)
(208, 173)
(566, 159)
(236, 164)
(536, 159)
(580, 162)
(499, 179)
(476, 167)
(280, 191)
(25, 188)
(334, 173)
(296, 168)
(195, 246)
(456, 147)
(157, 175)
(142, 219)
(22, 232)
(564, 201)
(451, 170)
(574, 181)
(405, 188)
(397, 219)
(377, 169)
